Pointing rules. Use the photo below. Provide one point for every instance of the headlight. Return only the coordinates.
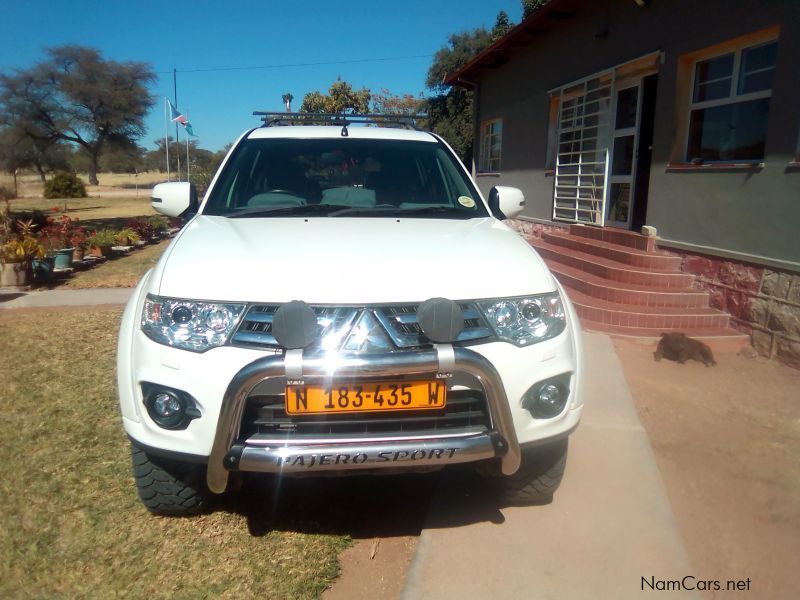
(195, 326)
(525, 321)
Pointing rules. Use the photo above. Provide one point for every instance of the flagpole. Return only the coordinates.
(187, 152)
(166, 133)
(177, 137)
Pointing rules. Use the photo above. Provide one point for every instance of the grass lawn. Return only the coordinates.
(111, 211)
(30, 185)
(72, 525)
(119, 272)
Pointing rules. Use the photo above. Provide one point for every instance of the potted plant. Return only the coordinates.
(57, 239)
(128, 237)
(101, 242)
(142, 227)
(79, 238)
(18, 249)
(160, 225)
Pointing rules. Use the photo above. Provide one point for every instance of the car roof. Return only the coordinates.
(335, 131)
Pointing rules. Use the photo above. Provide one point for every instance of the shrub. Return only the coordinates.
(37, 219)
(127, 236)
(104, 237)
(64, 185)
(159, 223)
(142, 227)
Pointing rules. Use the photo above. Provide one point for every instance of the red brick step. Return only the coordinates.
(622, 254)
(611, 269)
(621, 284)
(625, 293)
(631, 316)
(620, 237)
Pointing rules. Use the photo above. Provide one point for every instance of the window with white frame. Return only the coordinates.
(491, 139)
(730, 104)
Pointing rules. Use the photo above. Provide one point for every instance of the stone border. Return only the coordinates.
(763, 302)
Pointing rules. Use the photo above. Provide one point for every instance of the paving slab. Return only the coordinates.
(57, 298)
(609, 526)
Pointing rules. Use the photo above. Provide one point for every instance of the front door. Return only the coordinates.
(624, 153)
(603, 149)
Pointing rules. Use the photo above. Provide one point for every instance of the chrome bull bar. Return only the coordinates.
(442, 360)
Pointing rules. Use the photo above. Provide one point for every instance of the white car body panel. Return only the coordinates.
(348, 261)
(340, 261)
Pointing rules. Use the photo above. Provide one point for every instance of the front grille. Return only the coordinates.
(265, 415)
(399, 323)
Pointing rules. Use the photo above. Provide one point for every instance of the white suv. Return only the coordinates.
(345, 300)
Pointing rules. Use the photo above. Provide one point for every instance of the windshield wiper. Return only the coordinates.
(305, 209)
(364, 210)
(437, 210)
(402, 212)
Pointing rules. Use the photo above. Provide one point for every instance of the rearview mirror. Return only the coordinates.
(175, 198)
(506, 202)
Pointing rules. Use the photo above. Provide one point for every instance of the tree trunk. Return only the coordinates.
(40, 170)
(93, 168)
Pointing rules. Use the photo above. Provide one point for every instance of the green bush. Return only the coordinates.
(64, 185)
(104, 237)
(159, 223)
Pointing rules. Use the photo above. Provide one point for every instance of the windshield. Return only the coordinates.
(343, 177)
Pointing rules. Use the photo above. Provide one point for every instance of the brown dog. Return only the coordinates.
(678, 347)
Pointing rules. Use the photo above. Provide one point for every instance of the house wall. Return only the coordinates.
(752, 215)
(763, 302)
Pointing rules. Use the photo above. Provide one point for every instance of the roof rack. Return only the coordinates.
(343, 120)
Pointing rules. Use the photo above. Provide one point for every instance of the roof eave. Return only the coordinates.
(535, 24)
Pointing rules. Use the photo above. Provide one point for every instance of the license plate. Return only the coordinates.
(365, 397)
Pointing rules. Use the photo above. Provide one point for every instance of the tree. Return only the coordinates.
(155, 160)
(460, 49)
(124, 157)
(202, 163)
(18, 150)
(287, 101)
(502, 25)
(450, 109)
(79, 97)
(341, 96)
(529, 6)
(387, 103)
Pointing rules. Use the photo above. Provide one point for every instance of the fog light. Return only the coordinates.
(169, 408)
(166, 406)
(547, 398)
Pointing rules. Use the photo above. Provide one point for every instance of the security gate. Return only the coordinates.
(584, 121)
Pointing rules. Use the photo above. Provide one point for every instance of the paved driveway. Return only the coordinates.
(610, 524)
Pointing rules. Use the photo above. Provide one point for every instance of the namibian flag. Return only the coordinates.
(188, 127)
(175, 115)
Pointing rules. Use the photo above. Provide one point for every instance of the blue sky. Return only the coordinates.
(193, 36)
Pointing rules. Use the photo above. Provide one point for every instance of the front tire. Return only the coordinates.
(538, 476)
(168, 487)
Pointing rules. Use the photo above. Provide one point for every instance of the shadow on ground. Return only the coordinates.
(8, 296)
(363, 506)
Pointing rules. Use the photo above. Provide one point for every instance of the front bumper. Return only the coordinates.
(302, 456)
(206, 377)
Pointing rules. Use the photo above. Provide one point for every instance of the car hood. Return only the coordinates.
(348, 260)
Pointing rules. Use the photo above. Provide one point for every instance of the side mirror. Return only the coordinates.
(506, 202)
(175, 198)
